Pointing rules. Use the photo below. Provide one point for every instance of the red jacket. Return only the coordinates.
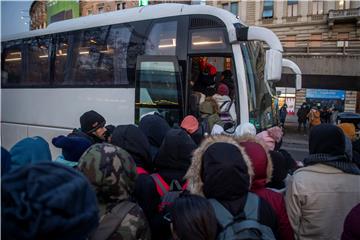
(262, 166)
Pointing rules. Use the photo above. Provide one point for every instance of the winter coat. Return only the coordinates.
(155, 128)
(28, 151)
(78, 133)
(133, 140)
(314, 117)
(263, 168)
(283, 113)
(172, 161)
(351, 225)
(320, 195)
(222, 170)
(318, 198)
(112, 172)
(220, 100)
(47, 201)
(302, 115)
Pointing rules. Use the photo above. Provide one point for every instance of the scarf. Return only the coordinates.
(340, 162)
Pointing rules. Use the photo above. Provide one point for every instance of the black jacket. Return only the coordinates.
(134, 141)
(93, 138)
(172, 162)
(155, 128)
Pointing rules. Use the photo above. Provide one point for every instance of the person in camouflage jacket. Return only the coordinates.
(112, 172)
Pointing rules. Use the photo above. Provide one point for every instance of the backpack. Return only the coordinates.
(226, 117)
(111, 221)
(244, 226)
(167, 193)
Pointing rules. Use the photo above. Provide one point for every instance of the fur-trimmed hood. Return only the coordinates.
(196, 171)
(260, 159)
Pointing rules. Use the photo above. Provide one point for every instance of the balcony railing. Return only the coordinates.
(345, 14)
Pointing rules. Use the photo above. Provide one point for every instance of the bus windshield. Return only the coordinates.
(262, 112)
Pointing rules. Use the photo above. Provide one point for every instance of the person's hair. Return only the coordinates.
(193, 218)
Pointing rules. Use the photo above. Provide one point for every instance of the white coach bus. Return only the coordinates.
(126, 63)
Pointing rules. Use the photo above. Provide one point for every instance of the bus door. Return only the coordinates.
(158, 88)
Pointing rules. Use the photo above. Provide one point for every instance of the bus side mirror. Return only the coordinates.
(273, 65)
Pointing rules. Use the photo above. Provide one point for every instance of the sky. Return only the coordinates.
(11, 12)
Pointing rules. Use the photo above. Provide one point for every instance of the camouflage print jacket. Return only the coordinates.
(133, 227)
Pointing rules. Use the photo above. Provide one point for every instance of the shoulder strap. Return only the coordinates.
(229, 106)
(223, 216)
(161, 186)
(112, 220)
(140, 170)
(223, 104)
(251, 208)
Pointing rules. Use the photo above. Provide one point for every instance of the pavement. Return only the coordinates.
(295, 142)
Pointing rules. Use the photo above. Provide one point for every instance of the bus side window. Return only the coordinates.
(11, 63)
(162, 39)
(37, 61)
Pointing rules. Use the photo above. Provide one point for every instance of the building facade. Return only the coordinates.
(322, 37)
(38, 15)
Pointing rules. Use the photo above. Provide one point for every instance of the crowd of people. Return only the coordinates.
(315, 115)
(196, 181)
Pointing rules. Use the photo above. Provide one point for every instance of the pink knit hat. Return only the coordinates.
(267, 139)
(223, 89)
(270, 137)
(190, 124)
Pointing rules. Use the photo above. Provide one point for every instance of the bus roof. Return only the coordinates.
(131, 15)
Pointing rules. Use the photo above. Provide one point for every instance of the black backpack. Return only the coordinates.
(246, 225)
(168, 194)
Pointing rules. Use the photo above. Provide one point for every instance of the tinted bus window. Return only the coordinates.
(36, 60)
(117, 47)
(11, 63)
(62, 59)
(162, 39)
(93, 61)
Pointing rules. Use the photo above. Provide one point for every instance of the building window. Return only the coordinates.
(123, 5)
(101, 10)
(118, 6)
(234, 8)
(317, 7)
(268, 11)
(292, 8)
(290, 41)
(343, 36)
(89, 12)
(315, 40)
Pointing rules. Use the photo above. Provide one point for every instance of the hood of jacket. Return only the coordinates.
(29, 150)
(175, 151)
(47, 201)
(111, 170)
(220, 169)
(134, 141)
(155, 128)
(260, 159)
(220, 99)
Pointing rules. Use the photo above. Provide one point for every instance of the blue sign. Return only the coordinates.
(325, 94)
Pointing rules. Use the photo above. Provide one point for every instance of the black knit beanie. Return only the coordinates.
(90, 121)
(327, 139)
